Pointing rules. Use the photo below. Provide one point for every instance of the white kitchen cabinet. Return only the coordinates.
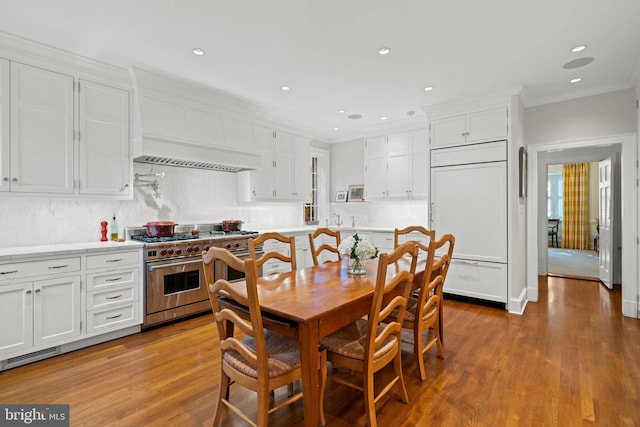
(383, 241)
(304, 258)
(41, 300)
(113, 291)
(285, 168)
(469, 200)
(479, 126)
(395, 166)
(42, 130)
(4, 126)
(103, 140)
(274, 266)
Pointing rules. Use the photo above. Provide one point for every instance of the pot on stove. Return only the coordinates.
(160, 228)
(231, 225)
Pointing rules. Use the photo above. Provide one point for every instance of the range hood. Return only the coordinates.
(184, 124)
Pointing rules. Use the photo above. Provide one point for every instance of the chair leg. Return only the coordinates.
(223, 390)
(369, 400)
(397, 366)
(323, 384)
(417, 349)
(263, 408)
(436, 331)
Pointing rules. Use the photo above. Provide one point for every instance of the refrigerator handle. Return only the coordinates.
(433, 207)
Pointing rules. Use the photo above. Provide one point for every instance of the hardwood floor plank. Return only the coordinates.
(570, 360)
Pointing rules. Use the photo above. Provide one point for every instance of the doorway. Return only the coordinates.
(572, 260)
(540, 156)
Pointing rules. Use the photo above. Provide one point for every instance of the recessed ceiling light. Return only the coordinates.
(285, 88)
(197, 51)
(354, 116)
(383, 118)
(341, 111)
(428, 88)
(579, 48)
(336, 128)
(577, 63)
(384, 50)
(576, 80)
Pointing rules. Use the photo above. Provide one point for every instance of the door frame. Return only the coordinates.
(539, 158)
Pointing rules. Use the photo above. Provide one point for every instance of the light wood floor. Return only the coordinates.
(570, 360)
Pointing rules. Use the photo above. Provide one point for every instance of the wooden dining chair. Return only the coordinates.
(445, 243)
(322, 232)
(273, 236)
(414, 233)
(251, 356)
(366, 346)
(552, 231)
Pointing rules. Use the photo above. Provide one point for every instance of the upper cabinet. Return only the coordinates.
(64, 124)
(396, 166)
(103, 140)
(478, 126)
(42, 110)
(285, 172)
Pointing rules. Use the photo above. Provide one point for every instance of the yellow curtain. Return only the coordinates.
(575, 224)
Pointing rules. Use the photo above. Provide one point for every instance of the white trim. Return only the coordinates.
(629, 204)
(517, 305)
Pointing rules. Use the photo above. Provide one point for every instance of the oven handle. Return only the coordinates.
(175, 264)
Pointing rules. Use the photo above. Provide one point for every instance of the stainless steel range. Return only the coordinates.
(174, 277)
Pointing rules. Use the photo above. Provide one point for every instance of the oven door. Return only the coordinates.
(223, 271)
(174, 283)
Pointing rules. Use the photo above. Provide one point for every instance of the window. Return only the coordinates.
(311, 209)
(554, 195)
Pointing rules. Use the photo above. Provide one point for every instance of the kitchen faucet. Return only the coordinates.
(338, 221)
(353, 221)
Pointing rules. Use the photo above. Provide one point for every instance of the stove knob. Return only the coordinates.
(197, 249)
(163, 252)
(237, 245)
(178, 251)
(228, 246)
(189, 249)
(170, 251)
(206, 248)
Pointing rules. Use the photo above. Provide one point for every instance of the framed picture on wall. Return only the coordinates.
(356, 193)
(522, 177)
(341, 196)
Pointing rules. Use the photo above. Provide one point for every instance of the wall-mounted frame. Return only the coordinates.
(356, 193)
(341, 196)
(522, 177)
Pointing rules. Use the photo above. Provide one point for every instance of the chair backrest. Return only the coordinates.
(262, 238)
(552, 225)
(315, 252)
(417, 230)
(392, 292)
(222, 290)
(440, 265)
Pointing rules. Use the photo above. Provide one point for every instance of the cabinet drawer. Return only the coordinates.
(302, 241)
(475, 153)
(475, 279)
(111, 278)
(21, 270)
(112, 296)
(112, 260)
(383, 241)
(114, 317)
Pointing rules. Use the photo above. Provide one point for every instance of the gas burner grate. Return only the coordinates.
(147, 239)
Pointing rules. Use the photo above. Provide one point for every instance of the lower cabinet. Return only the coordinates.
(47, 303)
(477, 279)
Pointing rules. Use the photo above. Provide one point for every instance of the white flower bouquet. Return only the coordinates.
(357, 249)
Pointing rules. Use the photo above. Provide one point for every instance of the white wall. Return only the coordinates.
(187, 196)
(610, 113)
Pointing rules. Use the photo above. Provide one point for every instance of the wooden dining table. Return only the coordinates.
(311, 303)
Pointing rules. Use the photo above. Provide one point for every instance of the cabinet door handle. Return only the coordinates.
(115, 297)
(55, 267)
(28, 292)
(5, 179)
(114, 260)
(117, 279)
(38, 291)
(114, 317)
(8, 272)
(15, 180)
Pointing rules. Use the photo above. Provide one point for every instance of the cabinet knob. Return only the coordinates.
(5, 179)
(28, 292)
(15, 180)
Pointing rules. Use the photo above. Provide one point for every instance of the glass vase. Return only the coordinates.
(356, 267)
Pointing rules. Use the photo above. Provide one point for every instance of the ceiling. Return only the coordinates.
(326, 51)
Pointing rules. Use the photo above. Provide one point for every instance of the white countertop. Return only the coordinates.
(311, 228)
(9, 254)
